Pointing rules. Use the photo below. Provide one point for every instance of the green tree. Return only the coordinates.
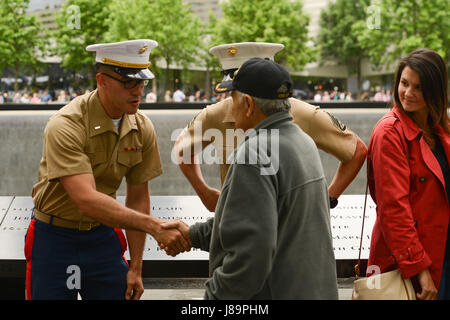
(210, 61)
(79, 24)
(336, 39)
(279, 21)
(21, 39)
(169, 22)
(404, 26)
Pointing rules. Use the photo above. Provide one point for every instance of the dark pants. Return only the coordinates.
(444, 285)
(62, 262)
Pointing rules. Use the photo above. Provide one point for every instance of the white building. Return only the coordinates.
(45, 11)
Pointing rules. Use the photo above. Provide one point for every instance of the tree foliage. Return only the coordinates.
(169, 22)
(336, 37)
(404, 26)
(22, 41)
(279, 21)
(79, 24)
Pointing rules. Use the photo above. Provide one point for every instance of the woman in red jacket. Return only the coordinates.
(409, 177)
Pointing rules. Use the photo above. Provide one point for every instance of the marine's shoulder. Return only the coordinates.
(302, 106)
(219, 109)
(215, 115)
(76, 109)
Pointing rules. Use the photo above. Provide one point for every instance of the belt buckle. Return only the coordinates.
(81, 228)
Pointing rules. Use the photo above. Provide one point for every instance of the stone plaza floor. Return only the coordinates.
(193, 289)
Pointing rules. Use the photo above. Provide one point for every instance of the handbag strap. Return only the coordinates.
(357, 266)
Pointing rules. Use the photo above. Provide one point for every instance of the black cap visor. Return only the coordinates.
(142, 74)
(224, 86)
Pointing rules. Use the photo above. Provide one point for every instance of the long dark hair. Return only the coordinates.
(432, 71)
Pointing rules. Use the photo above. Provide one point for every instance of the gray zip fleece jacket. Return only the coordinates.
(271, 235)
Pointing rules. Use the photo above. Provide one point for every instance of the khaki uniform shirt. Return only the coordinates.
(328, 133)
(81, 138)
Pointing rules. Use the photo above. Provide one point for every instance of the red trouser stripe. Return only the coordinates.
(123, 242)
(29, 240)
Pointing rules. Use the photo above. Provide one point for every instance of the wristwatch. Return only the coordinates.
(333, 202)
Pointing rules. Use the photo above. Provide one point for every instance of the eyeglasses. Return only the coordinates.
(129, 84)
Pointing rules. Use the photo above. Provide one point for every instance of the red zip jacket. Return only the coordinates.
(408, 187)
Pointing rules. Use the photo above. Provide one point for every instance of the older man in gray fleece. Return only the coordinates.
(271, 236)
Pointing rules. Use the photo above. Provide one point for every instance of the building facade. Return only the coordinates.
(45, 11)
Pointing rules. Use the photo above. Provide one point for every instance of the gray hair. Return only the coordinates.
(268, 106)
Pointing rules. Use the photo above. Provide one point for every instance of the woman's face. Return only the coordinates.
(410, 91)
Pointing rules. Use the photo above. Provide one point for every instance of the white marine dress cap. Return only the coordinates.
(233, 55)
(127, 58)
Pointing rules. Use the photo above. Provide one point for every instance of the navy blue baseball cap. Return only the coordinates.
(260, 78)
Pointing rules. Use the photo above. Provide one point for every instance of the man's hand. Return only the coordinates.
(172, 240)
(135, 288)
(181, 227)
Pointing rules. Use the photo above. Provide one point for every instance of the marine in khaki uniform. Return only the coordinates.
(328, 133)
(270, 236)
(89, 146)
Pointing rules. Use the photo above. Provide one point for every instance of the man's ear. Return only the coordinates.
(100, 79)
(250, 106)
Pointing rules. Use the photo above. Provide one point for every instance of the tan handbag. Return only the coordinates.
(382, 286)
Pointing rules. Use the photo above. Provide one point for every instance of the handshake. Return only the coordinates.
(174, 237)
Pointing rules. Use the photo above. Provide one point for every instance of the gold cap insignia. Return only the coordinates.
(143, 49)
(232, 51)
(283, 91)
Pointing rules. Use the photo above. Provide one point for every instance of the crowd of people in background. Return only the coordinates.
(190, 96)
(63, 96)
(42, 96)
(335, 95)
(383, 96)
